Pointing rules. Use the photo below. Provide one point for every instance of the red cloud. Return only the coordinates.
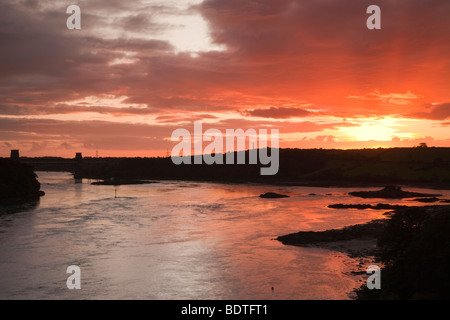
(279, 55)
(279, 112)
(437, 112)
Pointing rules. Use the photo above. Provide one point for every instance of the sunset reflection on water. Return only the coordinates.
(177, 240)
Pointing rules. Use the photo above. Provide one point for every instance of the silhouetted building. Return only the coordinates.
(78, 168)
(15, 155)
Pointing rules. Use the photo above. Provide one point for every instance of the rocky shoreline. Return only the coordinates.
(415, 235)
(22, 199)
(356, 240)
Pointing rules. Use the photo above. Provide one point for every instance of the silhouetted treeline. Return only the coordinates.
(18, 182)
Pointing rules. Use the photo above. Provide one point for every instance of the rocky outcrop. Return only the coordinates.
(379, 206)
(391, 192)
(18, 182)
(432, 199)
(272, 195)
(368, 230)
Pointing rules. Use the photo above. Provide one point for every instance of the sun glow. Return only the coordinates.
(383, 129)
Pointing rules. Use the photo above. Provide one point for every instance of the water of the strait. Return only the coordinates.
(176, 240)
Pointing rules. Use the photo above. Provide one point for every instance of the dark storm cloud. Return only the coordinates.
(436, 112)
(279, 112)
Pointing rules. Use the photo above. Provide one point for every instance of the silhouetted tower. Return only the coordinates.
(14, 155)
(78, 165)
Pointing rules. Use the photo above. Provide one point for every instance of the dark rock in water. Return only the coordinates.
(358, 273)
(380, 206)
(18, 183)
(273, 195)
(350, 206)
(445, 200)
(432, 199)
(371, 229)
(391, 192)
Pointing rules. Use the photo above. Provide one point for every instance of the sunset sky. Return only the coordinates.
(137, 70)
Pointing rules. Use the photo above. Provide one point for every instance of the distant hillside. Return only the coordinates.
(18, 182)
(396, 165)
(419, 166)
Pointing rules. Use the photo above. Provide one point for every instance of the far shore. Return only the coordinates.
(356, 168)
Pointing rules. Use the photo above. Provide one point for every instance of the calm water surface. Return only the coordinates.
(175, 240)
